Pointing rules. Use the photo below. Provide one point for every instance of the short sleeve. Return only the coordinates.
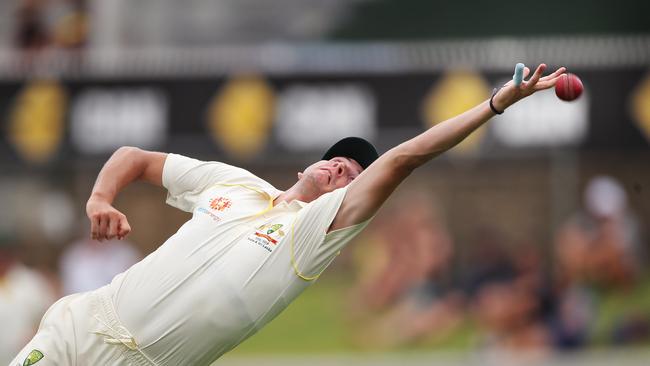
(314, 248)
(186, 178)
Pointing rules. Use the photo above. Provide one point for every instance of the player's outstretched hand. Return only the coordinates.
(106, 222)
(510, 93)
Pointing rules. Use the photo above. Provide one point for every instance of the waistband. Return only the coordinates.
(113, 331)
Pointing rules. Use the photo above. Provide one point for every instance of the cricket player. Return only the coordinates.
(247, 252)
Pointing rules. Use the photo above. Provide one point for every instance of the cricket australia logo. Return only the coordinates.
(267, 236)
(33, 357)
(220, 203)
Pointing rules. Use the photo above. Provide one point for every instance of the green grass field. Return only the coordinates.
(315, 324)
(311, 324)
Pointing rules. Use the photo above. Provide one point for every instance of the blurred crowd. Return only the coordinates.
(44, 27)
(27, 292)
(51, 24)
(588, 287)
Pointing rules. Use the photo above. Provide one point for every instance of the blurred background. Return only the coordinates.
(528, 242)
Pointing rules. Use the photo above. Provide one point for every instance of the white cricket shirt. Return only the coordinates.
(228, 271)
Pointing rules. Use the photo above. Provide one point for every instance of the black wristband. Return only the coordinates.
(494, 92)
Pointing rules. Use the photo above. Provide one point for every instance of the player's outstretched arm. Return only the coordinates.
(375, 184)
(126, 165)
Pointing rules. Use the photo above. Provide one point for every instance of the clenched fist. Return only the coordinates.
(106, 222)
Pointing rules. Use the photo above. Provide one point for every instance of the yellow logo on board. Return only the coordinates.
(640, 107)
(240, 115)
(36, 124)
(455, 93)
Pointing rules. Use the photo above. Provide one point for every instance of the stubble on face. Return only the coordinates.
(309, 186)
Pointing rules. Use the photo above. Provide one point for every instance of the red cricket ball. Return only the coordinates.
(568, 87)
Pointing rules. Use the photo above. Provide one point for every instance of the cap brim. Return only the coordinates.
(362, 151)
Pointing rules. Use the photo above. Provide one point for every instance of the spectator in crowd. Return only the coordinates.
(31, 34)
(574, 303)
(45, 27)
(614, 232)
(505, 291)
(408, 294)
(24, 296)
(71, 27)
(598, 252)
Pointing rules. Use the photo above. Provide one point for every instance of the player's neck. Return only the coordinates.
(301, 191)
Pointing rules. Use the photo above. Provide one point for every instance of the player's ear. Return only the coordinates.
(299, 175)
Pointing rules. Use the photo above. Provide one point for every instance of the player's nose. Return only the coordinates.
(339, 168)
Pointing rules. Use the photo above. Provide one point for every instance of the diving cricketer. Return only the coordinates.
(247, 252)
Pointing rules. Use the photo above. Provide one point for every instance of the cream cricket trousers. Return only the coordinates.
(82, 329)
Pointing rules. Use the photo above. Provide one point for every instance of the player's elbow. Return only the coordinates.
(128, 151)
(131, 154)
(131, 157)
(405, 161)
(143, 164)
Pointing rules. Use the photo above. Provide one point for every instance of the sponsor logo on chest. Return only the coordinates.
(267, 236)
(220, 203)
(217, 205)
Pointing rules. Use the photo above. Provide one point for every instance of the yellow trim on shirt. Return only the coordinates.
(267, 209)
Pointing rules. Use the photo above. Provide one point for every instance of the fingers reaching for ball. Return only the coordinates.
(538, 82)
(511, 93)
(550, 80)
(554, 75)
(530, 84)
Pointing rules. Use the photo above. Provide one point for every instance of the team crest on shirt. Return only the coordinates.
(33, 357)
(220, 203)
(267, 236)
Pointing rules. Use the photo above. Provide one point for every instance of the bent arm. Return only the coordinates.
(374, 185)
(125, 166)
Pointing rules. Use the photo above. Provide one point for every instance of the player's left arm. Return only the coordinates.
(376, 183)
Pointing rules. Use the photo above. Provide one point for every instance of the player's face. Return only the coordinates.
(328, 175)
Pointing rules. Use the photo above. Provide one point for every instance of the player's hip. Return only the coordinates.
(107, 333)
(83, 329)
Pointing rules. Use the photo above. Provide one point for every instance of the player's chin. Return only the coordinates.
(327, 188)
(336, 186)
